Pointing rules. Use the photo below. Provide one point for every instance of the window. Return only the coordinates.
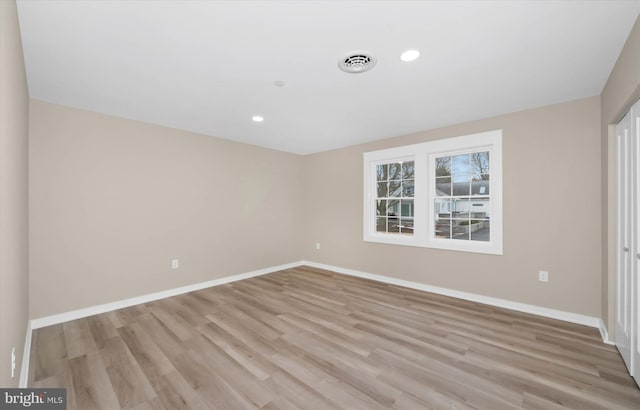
(394, 197)
(444, 194)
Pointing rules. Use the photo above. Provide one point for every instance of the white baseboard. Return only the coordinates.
(604, 334)
(108, 307)
(26, 355)
(590, 321)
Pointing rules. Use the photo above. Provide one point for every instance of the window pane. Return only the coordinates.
(408, 188)
(480, 208)
(406, 226)
(480, 230)
(393, 224)
(381, 171)
(394, 188)
(480, 187)
(443, 166)
(479, 164)
(443, 208)
(443, 228)
(393, 208)
(460, 229)
(461, 188)
(443, 186)
(460, 165)
(395, 171)
(381, 224)
(382, 190)
(381, 207)
(461, 178)
(406, 207)
(460, 208)
(408, 170)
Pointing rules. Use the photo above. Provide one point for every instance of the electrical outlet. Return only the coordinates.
(543, 276)
(317, 246)
(175, 264)
(13, 362)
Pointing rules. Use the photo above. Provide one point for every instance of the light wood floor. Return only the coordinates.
(306, 338)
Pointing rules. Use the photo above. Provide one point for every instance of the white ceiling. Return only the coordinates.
(209, 66)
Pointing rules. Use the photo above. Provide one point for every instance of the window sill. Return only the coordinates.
(486, 248)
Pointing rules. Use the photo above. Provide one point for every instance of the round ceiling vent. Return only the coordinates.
(357, 62)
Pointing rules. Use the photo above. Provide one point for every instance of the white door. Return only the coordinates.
(635, 266)
(628, 250)
(624, 285)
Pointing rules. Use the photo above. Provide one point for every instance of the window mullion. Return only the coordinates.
(421, 205)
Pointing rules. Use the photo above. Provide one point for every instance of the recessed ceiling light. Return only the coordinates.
(257, 118)
(410, 55)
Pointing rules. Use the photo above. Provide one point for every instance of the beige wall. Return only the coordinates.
(619, 93)
(14, 132)
(114, 200)
(551, 188)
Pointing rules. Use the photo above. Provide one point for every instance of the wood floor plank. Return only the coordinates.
(237, 377)
(307, 338)
(102, 328)
(241, 351)
(145, 352)
(175, 393)
(327, 334)
(165, 339)
(92, 387)
(301, 395)
(333, 368)
(78, 338)
(51, 357)
(127, 378)
(62, 379)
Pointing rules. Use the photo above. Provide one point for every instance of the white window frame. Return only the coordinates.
(424, 155)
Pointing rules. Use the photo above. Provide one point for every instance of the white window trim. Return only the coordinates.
(423, 154)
